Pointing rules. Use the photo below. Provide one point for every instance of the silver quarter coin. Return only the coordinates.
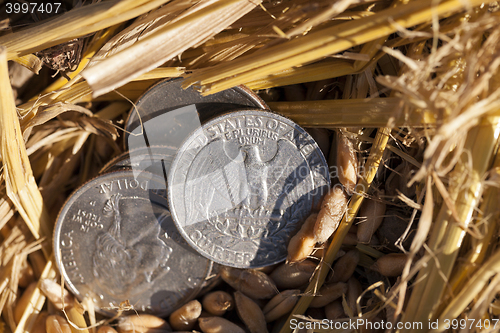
(242, 183)
(166, 114)
(115, 240)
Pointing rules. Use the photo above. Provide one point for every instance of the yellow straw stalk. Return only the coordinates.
(21, 186)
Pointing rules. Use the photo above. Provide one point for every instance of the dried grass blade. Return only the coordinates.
(31, 62)
(13, 247)
(334, 9)
(162, 72)
(6, 211)
(370, 49)
(81, 92)
(489, 212)
(131, 91)
(4, 24)
(372, 112)
(75, 23)
(308, 73)
(57, 136)
(142, 27)
(322, 43)
(20, 183)
(470, 291)
(165, 43)
(48, 112)
(113, 110)
(447, 235)
(362, 187)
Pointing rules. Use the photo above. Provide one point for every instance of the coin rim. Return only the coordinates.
(175, 162)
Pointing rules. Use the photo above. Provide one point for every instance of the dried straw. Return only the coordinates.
(168, 41)
(22, 189)
(445, 86)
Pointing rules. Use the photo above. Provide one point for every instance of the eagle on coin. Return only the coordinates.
(219, 181)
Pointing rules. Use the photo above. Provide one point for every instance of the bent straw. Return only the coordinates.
(20, 183)
(73, 24)
(447, 235)
(322, 43)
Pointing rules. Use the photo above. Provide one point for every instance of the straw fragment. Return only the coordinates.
(489, 211)
(471, 289)
(73, 24)
(95, 44)
(31, 62)
(165, 43)
(325, 69)
(21, 186)
(348, 113)
(433, 286)
(321, 43)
